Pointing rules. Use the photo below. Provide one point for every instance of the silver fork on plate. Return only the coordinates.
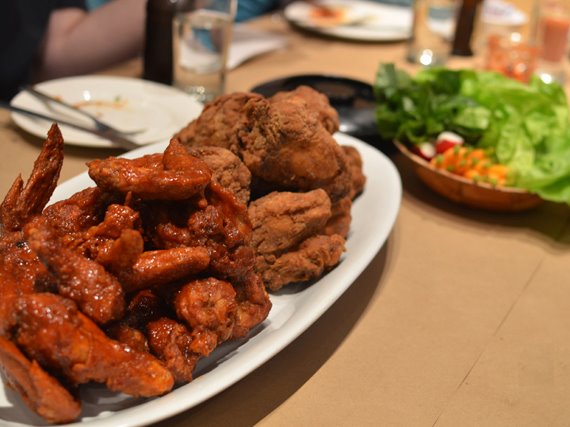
(101, 126)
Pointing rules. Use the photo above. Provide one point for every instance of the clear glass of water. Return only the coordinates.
(201, 34)
(432, 32)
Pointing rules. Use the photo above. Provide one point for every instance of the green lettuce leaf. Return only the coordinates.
(526, 126)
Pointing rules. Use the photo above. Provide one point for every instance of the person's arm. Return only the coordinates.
(79, 42)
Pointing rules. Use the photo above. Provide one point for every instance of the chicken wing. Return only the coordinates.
(174, 175)
(97, 292)
(23, 202)
(172, 343)
(39, 390)
(52, 331)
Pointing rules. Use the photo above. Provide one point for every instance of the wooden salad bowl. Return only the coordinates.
(467, 192)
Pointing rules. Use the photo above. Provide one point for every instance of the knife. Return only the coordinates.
(105, 134)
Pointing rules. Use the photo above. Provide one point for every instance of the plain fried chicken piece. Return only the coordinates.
(317, 103)
(219, 123)
(23, 202)
(227, 169)
(287, 231)
(314, 256)
(339, 222)
(287, 146)
(282, 220)
(355, 165)
(54, 332)
(39, 390)
(284, 141)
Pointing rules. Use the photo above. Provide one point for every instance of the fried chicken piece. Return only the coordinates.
(23, 202)
(21, 272)
(253, 304)
(174, 175)
(219, 123)
(317, 103)
(314, 256)
(282, 220)
(97, 241)
(97, 292)
(178, 346)
(287, 231)
(39, 390)
(130, 336)
(284, 141)
(227, 169)
(155, 268)
(52, 331)
(356, 172)
(339, 222)
(219, 223)
(143, 308)
(208, 306)
(79, 212)
(287, 146)
(171, 342)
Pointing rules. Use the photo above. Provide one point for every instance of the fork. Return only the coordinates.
(101, 126)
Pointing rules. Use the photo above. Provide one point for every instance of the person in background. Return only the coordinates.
(45, 39)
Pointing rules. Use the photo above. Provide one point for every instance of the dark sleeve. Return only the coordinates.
(23, 24)
(62, 4)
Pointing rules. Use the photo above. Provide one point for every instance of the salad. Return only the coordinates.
(519, 131)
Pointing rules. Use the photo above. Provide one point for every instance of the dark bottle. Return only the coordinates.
(157, 61)
(466, 19)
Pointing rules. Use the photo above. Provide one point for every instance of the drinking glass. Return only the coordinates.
(201, 34)
(432, 32)
(552, 35)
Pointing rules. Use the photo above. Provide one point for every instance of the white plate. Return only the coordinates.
(363, 20)
(295, 308)
(125, 103)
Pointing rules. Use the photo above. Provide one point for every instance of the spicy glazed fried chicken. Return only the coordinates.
(128, 283)
(289, 237)
(25, 201)
(51, 330)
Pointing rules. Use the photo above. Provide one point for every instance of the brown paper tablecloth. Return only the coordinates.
(462, 319)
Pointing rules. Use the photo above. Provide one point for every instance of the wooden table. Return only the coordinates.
(462, 319)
